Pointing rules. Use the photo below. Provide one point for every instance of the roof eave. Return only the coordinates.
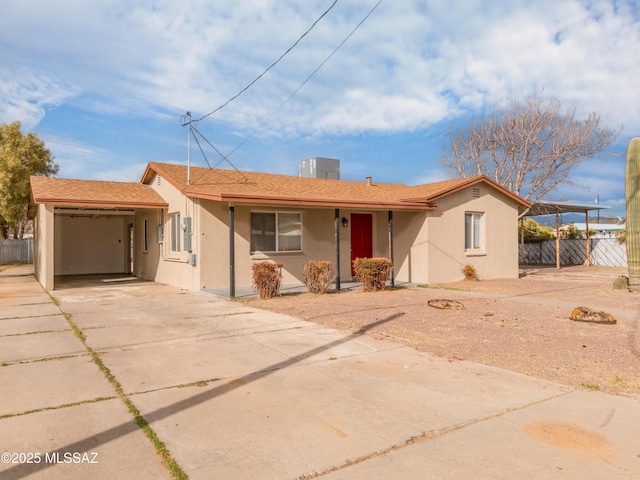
(99, 203)
(156, 168)
(309, 202)
(473, 181)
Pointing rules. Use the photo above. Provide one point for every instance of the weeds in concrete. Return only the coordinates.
(161, 448)
(57, 407)
(33, 333)
(590, 386)
(46, 359)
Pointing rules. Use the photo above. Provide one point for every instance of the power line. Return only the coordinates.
(226, 157)
(272, 65)
(304, 82)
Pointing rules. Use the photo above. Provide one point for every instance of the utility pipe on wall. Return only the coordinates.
(337, 234)
(232, 253)
(390, 224)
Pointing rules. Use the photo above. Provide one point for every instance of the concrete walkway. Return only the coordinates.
(234, 393)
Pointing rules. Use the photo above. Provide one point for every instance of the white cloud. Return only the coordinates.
(75, 158)
(409, 66)
(25, 96)
(131, 173)
(80, 160)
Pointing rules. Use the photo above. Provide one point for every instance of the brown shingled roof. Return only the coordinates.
(434, 191)
(264, 188)
(64, 191)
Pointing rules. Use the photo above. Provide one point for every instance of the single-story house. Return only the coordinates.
(199, 228)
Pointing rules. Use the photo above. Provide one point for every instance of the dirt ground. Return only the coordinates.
(520, 324)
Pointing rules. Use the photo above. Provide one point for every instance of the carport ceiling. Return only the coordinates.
(90, 211)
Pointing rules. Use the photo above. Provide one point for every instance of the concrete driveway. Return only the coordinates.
(141, 380)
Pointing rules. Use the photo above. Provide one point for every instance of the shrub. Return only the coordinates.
(318, 276)
(372, 273)
(621, 282)
(572, 233)
(534, 232)
(266, 278)
(469, 272)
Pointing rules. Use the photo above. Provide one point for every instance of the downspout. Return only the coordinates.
(232, 252)
(390, 224)
(337, 235)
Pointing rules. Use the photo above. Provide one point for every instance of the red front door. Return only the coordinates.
(361, 237)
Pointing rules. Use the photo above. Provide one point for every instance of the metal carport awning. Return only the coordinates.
(556, 208)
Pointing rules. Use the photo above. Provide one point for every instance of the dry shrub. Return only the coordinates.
(469, 272)
(266, 278)
(372, 273)
(318, 276)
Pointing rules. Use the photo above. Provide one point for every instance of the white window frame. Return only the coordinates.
(175, 230)
(474, 232)
(278, 235)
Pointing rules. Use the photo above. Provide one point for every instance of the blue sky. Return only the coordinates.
(105, 84)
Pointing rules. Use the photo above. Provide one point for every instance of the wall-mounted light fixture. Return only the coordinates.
(345, 222)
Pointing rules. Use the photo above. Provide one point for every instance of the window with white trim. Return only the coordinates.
(175, 232)
(473, 231)
(276, 232)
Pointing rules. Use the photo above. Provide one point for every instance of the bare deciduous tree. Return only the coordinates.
(528, 148)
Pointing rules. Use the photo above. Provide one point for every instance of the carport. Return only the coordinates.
(557, 208)
(86, 227)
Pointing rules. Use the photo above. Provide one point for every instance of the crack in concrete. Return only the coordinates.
(36, 332)
(426, 436)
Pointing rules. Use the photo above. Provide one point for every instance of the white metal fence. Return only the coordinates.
(606, 252)
(16, 251)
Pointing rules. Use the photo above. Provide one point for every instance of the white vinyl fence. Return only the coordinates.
(605, 252)
(16, 251)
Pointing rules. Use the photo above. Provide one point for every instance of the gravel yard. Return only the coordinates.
(517, 324)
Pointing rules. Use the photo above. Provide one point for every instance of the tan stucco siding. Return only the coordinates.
(145, 262)
(409, 246)
(173, 267)
(43, 248)
(318, 243)
(213, 254)
(446, 255)
(381, 234)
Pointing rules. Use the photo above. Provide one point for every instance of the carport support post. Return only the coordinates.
(587, 246)
(337, 233)
(232, 252)
(390, 223)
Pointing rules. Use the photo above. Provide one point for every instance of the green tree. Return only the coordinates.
(20, 157)
(528, 148)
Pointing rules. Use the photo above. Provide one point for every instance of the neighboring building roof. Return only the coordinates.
(95, 193)
(599, 227)
(264, 188)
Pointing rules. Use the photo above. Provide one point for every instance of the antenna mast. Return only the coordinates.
(186, 121)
